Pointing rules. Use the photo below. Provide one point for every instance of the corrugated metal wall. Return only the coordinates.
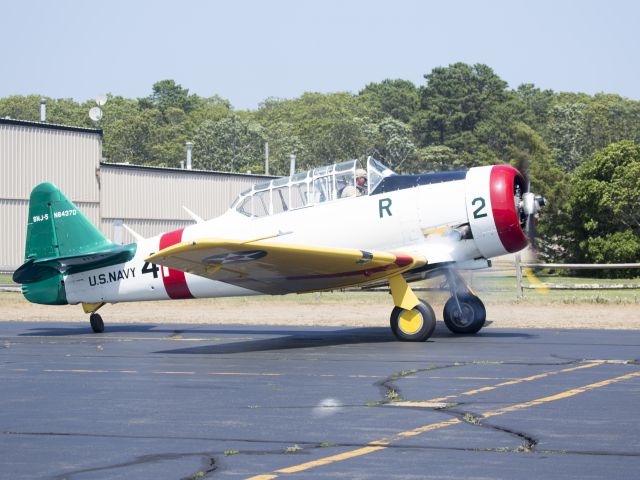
(31, 154)
(161, 192)
(148, 200)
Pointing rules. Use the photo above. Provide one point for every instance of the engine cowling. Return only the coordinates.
(493, 198)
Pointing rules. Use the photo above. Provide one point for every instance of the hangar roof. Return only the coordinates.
(184, 170)
(51, 126)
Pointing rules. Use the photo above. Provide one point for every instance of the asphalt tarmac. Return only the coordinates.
(189, 402)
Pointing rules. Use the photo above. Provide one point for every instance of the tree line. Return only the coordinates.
(582, 152)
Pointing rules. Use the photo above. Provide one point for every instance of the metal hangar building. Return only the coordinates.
(147, 199)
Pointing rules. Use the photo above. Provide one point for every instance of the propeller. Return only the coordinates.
(531, 205)
(528, 205)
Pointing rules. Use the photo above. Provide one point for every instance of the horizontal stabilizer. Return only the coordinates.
(34, 270)
(197, 218)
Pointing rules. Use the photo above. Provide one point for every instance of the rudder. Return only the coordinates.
(60, 240)
(57, 228)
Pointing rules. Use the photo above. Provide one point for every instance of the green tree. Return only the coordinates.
(230, 144)
(396, 98)
(437, 158)
(567, 134)
(604, 207)
(531, 156)
(168, 94)
(538, 104)
(454, 100)
(282, 144)
(578, 125)
(21, 107)
(329, 127)
(397, 149)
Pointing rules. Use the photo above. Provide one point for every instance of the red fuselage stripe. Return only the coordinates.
(174, 281)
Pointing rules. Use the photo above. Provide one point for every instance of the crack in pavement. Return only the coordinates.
(528, 441)
(391, 393)
(309, 446)
(209, 461)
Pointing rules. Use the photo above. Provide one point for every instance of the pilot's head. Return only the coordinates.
(361, 177)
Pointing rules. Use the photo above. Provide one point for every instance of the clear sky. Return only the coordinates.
(249, 50)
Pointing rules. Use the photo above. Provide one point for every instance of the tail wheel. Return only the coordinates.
(97, 325)
(415, 325)
(468, 318)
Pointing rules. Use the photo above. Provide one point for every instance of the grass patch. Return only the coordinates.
(472, 419)
(393, 396)
(231, 452)
(327, 444)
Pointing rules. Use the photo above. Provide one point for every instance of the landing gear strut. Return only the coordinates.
(97, 325)
(464, 312)
(412, 320)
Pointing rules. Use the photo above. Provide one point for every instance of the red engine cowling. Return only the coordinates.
(492, 197)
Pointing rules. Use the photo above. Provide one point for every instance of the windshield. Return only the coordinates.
(304, 189)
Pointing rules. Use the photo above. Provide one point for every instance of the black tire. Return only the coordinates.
(97, 325)
(470, 320)
(419, 332)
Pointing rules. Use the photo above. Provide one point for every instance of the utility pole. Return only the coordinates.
(292, 168)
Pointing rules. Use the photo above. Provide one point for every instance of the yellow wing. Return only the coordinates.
(277, 268)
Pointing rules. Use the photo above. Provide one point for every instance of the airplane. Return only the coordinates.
(330, 228)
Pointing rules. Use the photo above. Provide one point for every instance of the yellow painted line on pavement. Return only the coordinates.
(383, 443)
(263, 477)
(469, 378)
(334, 458)
(426, 428)
(560, 396)
(516, 381)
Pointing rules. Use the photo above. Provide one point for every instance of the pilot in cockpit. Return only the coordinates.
(361, 182)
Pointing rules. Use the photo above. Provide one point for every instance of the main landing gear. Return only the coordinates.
(97, 325)
(413, 320)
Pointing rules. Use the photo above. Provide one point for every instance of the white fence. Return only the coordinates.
(538, 285)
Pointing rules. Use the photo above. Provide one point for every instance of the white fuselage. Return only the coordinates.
(394, 221)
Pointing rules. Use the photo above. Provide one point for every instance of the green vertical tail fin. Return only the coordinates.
(60, 241)
(57, 228)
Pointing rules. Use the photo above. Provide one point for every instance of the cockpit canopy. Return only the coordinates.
(304, 189)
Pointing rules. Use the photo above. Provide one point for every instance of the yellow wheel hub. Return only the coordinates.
(410, 322)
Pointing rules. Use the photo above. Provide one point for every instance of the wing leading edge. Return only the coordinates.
(276, 268)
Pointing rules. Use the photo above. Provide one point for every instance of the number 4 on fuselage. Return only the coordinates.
(329, 228)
